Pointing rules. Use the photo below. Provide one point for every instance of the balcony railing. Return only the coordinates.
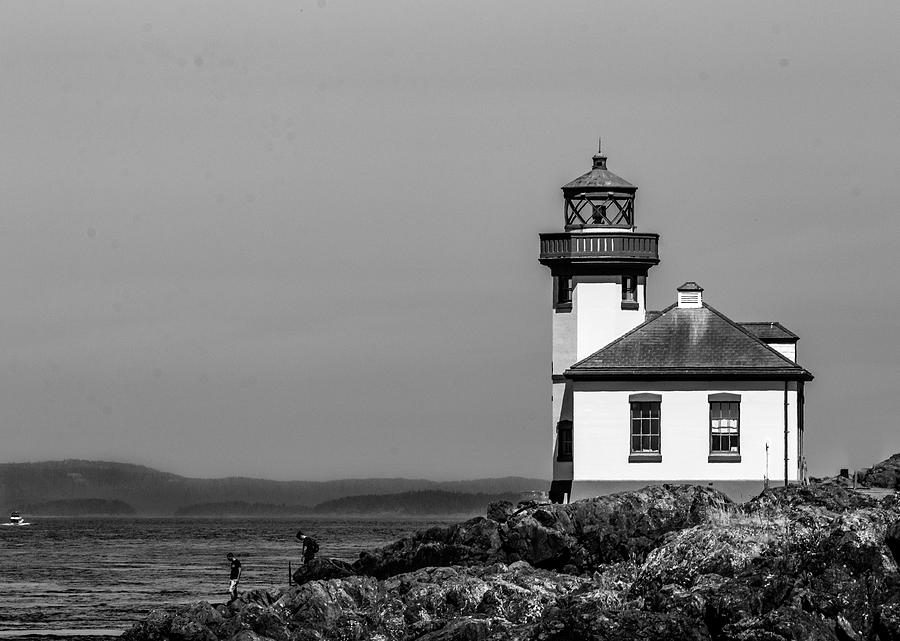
(617, 246)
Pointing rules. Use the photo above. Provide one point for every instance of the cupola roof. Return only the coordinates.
(599, 178)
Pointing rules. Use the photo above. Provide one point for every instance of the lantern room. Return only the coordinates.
(599, 198)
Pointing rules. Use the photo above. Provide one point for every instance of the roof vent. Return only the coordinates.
(690, 295)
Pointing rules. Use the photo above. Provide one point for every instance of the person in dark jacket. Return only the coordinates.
(235, 576)
(309, 546)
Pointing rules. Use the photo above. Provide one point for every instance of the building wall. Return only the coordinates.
(786, 349)
(594, 320)
(601, 417)
(562, 411)
(596, 303)
(564, 336)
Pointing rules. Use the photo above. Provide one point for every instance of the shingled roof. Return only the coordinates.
(683, 342)
(599, 179)
(771, 332)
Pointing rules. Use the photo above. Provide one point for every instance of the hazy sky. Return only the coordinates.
(299, 239)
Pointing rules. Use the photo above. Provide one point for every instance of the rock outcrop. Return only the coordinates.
(574, 537)
(884, 474)
(434, 603)
(677, 562)
(322, 568)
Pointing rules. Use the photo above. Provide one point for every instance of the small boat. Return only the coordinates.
(16, 519)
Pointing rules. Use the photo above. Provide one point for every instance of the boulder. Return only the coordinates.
(248, 635)
(324, 605)
(322, 569)
(831, 497)
(884, 474)
(611, 528)
(473, 542)
(688, 555)
(544, 537)
(838, 570)
(691, 602)
(844, 630)
(265, 622)
(188, 629)
(888, 626)
(439, 603)
(892, 540)
(156, 626)
(891, 502)
(194, 623)
(470, 600)
(473, 629)
(585, 621)
(782, 624)
(500, 511)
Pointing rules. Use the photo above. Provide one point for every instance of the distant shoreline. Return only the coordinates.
(77, 487)
(381, 516)
(72, 634)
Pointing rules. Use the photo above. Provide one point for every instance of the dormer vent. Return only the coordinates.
(690, 295)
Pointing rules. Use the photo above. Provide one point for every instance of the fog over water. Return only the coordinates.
(299, 239)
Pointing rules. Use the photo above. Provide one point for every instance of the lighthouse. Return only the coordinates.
(599, 265)
(683, 395)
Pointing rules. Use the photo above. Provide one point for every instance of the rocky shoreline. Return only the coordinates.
(667, 562)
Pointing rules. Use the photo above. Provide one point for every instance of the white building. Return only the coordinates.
(682, 395)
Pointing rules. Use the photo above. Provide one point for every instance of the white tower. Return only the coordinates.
(599, 266)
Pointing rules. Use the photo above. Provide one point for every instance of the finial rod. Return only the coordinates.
(599, 145)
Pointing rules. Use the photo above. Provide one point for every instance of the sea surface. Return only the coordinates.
(94, 577)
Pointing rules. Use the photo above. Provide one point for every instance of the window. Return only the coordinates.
(629, 292)
(645, 432)
(724, 427)
(645, 427)
(563, 291)
(564, 441)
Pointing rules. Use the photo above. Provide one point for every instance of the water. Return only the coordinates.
(96, 576)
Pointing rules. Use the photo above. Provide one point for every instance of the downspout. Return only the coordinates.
(800, 402)
(785, 433)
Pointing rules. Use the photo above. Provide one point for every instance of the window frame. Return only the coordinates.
(565, 287)
(720, 455)
(645, 456)
(629, 292)
(565, 455)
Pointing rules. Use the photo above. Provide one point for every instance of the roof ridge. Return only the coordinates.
(625, 335)
(751, 335)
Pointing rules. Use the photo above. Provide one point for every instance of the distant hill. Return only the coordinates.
(421, 502)
(80, 507)
(241, 508)
(150, 491)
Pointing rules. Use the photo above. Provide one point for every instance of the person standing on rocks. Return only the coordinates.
(235, 576)
(309, 546)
